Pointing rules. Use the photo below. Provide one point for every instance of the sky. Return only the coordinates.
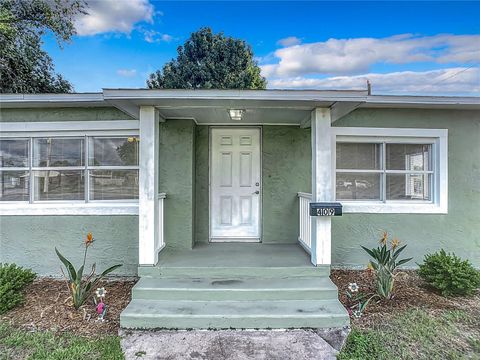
(401, 47)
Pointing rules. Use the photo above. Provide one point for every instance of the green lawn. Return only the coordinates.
(417, 334)
(19, 344)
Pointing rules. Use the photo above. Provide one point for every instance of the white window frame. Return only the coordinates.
(108, 128)
(438, 138)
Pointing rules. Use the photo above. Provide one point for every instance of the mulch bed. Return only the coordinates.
(410, 291)
(48, 307)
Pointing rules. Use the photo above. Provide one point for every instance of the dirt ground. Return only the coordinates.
(48, 307)
(410, 291)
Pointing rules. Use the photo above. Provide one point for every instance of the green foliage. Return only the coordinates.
(24, 66)
(81, 288)
(45, 345)
(449, 274)
(414, 334)
(361, 345)
(384, 264)
(12, 280)
(210, 61)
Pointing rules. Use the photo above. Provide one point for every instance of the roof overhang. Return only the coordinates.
(288, 107)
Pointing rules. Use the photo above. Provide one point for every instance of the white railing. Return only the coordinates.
(305, 222)
(159, 240)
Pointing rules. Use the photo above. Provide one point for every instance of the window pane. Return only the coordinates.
(59, 185)
(408, 187)
(14, 185)
(358, 186)
(58, 152)
(113, 184)
(13, 153)
(121, 151)
(408, 157)
(358, 156)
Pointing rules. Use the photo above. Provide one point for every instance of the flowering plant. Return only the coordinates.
(357, 301)
(384, 264)
(81, 288)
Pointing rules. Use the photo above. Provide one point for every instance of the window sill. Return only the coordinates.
(393, 208)
(69, 209)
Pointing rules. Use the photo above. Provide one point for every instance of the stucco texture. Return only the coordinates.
(459, 230)
(30, 241)
(62, 114)
(286, 163)
(177, 172)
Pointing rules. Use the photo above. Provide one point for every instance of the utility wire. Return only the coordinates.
(451, 76)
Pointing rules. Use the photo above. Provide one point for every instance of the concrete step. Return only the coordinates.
(305, 288)
(227, 271)
(260, 314)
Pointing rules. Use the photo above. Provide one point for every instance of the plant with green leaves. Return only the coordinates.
(81, 288)
(13, 279)
(449, 274)
(384, 263)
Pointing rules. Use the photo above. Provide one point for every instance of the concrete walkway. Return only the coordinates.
(225, 345)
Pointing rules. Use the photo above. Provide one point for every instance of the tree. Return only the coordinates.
(210, 61)
(24, 66)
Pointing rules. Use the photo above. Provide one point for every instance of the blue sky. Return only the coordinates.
(401, 47)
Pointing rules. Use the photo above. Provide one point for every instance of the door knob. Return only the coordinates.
(256, 192)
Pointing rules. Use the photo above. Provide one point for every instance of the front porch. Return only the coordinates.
(230, 242)
(231, 285)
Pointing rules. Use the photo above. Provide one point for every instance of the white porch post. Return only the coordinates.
(322, 184)
(148, 186)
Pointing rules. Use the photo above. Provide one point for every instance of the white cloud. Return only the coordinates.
(289, 41)
(355, 56)
(127, 72)
(153, 36)
(460, 80)
(114, 16)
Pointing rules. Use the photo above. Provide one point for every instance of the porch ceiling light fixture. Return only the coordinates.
(236, 114)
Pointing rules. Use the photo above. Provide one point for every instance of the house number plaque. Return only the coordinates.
(326, 209)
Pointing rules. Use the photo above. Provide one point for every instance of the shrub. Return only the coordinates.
(13, 279)
(449, 274)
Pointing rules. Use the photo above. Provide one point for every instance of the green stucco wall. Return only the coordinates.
(63, 114)
(177, 173)
(286, 155)
(459, 230)
(30, 241)
(286, 170)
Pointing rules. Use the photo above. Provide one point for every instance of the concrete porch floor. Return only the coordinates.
(237, 255)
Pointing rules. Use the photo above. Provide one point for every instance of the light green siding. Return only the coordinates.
(31, 240)
(286, 155)
(63, 114)
(177, 172)
(286, 167)
(286, 170)
(459, 230)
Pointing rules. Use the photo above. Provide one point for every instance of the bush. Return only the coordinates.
(12, 280)
(449, 274)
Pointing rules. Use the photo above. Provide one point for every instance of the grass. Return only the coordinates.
(417, 334)
(20, 344)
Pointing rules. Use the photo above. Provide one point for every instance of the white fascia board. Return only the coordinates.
(427, 102)
(51, 100)
(305, 95)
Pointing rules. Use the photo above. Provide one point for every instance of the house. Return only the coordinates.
(207, 194)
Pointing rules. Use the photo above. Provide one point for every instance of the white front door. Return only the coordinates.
(235, 184)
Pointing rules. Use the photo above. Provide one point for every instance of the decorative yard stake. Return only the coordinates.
(101, 306)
